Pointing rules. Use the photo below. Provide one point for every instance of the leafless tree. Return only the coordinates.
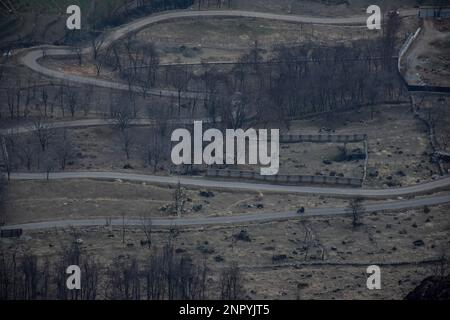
(126, 136)
(121, 114)
(8, 274)
(156, 150)
(373, 93)
(236, 112)
(179, 78)
(169, 276)
(7, 153)
(356, 209)
(147, 228)
(64, 148)
(2, 71)
(28, 150)
(2, 195)
(79, 53)
(442, 267)
(44, 132)
(48, 161)
(148, 68)
(29, 269)
(121, 117)
(69, 255)
(90, 272)
(44, 98)
(123, 281)
(96, 46)
(139, 65)
(123, 228)
(72, 99)
(88, 96)
(13, 99)
(390, 30)
(179, 200)
(231, 287)
(45, 279)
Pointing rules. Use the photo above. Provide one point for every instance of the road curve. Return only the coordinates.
(96, 123)
(202, 182)
(234, 219)
(31, 57)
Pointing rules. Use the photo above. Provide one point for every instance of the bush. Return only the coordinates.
(242, 236)
(279, 257)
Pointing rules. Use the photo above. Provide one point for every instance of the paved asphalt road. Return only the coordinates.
(97, 122)
(390, 205)
(30, 58)
(202, 182)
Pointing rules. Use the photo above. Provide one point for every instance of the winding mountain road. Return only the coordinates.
(31, 57)
(246, 218)
(19, 129)
(435, 185)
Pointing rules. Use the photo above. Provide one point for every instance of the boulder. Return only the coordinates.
(206, 193)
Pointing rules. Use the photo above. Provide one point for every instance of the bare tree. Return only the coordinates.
(236, 112)
(121, 114)
(8, 274)
(231, 287)
(179, 78)
(28, 149)
(442, 266)
(13, 100)
(179, 200)
(90, 271)
(2, 193)
(372, 93)
(156, 150)
(68, 255)
(121, 117)
(147, 228)
(170, 276)
(64, 149)
(123, 281)
(29, 269)
(48, 161)
(2, 71)
(79, 53)
(127, 139)
(44, 98)
(88, 96)
(72, 99)
(44, 132)
(96, 45)
(148, 68)
(7, 153)
(390, 30)
(356, 209)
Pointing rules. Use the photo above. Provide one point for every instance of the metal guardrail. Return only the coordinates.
(252, 175)
(292, 138)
